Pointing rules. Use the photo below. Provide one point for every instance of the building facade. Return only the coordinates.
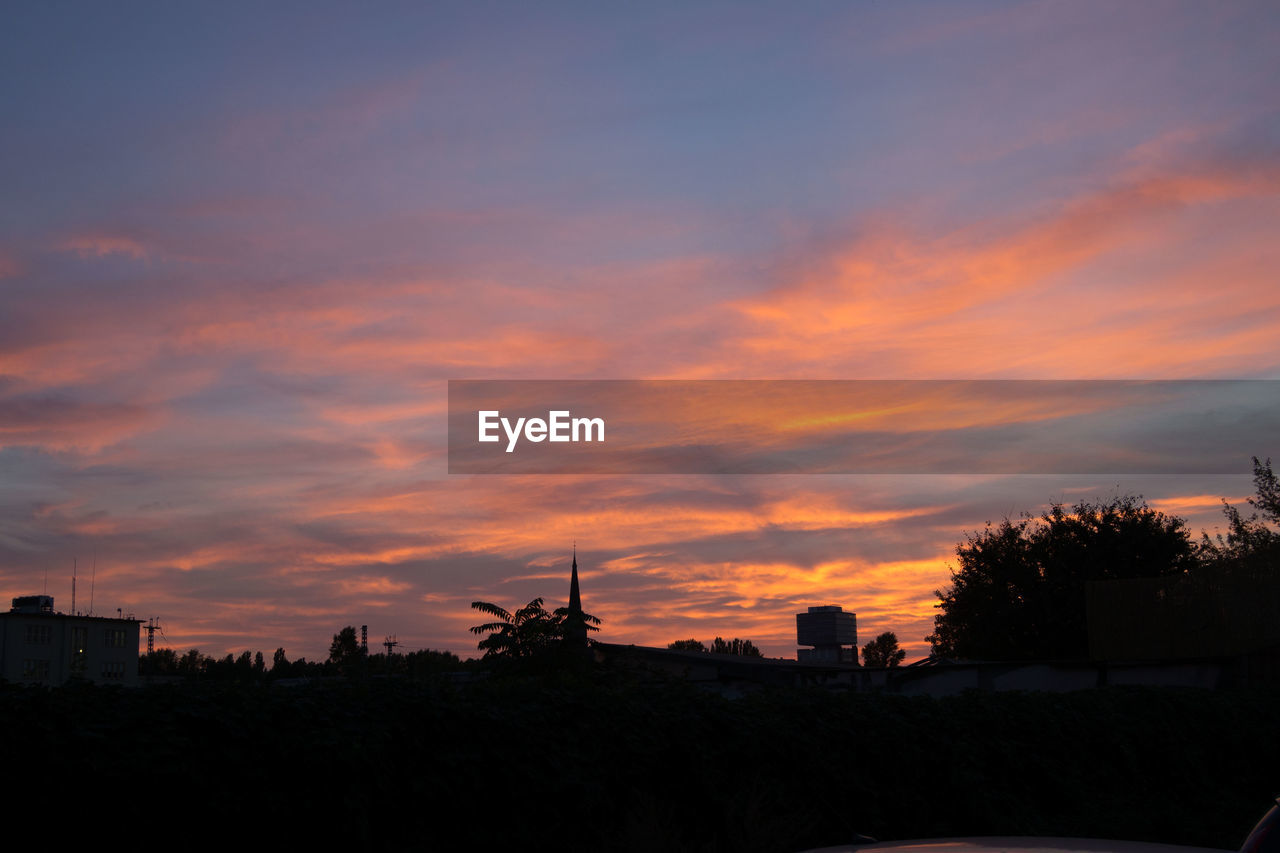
(831, 631)
(38, 645)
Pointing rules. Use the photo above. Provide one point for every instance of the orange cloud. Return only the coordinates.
(1039, 299)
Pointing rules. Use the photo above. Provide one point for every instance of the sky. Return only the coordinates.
(244, 248)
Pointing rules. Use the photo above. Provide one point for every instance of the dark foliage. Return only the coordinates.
(744, 648)
(1251, 543)
(719, 646)
(250, 667)
(600, 763)
(528, 632)
(883, 651)
(1019, 589)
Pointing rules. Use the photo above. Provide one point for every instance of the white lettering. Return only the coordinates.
(487, 423)
(512, 434)
(558, 427)
(587, 424)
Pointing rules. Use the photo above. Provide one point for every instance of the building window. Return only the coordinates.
(114, 638)
(38, 635)
(113, 669)
(35, 669)
(79, 649)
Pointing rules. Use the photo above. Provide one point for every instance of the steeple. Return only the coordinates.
(575, 626)
(575, 597)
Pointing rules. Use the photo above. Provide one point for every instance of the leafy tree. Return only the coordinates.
(529, 631)
(515, 635)
(1019, 590)
(1253, 541)
(158, 662)
(566, 622)
(345, 652)
(745, 648)
(719, 646)
(192, 663)
(883, 651)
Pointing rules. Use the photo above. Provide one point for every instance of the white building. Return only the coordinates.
(41, 646)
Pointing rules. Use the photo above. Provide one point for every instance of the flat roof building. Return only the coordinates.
(38, 645)
(831, 631)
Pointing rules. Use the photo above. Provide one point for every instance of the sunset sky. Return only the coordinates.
(243, 248)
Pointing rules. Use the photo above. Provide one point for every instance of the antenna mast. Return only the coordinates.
(151, 628)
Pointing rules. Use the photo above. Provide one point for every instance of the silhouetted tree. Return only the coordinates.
(745, 648)
(345, 652)
(428, 661)
(563, 627)
(529, 631)
(883, 651)
(159, 662)
(1019, 591)
(1251, 542)
(280, 667)
(687, 646)
(414, 665)
(526, 632)
(192, 664)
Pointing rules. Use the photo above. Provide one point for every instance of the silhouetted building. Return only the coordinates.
(38, 645)
(575, 626)
(832, 633)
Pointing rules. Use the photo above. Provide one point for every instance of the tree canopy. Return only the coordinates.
(744, 648)
(1019, 589)
(345, 652)
(527, 632)
(883, 651)
(1254, 541)
(719, 646)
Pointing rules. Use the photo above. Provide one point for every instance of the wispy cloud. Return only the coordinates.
(231, 292)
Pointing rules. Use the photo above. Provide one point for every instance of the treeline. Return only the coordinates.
(1019, 589)
(346, 659)
(719, 646)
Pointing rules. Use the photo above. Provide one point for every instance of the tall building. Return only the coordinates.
(38, 645)
(832, 633)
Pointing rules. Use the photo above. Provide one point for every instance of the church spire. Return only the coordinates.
(575, 597)
(575, 626)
